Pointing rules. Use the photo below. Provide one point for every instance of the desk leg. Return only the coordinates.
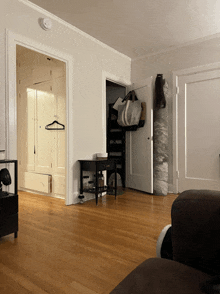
(81, 196)
(16, 177)
(115, 180)
(96, 184)
(81, 179)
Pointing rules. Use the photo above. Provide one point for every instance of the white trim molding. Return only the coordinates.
(13, 39)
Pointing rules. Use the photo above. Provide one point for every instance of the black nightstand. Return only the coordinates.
(9, 207)
(97, 166)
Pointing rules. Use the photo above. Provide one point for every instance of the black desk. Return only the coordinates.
(97, 166)
(9, 206)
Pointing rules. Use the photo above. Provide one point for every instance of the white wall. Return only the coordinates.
(91, 58)
(2, 94)
(193, 55)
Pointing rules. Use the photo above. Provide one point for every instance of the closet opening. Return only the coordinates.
(41, 120)
(115, 135)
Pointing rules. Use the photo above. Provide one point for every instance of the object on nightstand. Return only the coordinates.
(102, 156)
(5, 179)
(86, 183)
(101, 180)
(91, 186)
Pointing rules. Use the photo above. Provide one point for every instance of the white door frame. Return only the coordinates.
(176, 75)
(13, 39)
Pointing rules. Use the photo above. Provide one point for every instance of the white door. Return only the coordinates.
(139, 144)
(25, 127)
(44, 141)
(59, 163)
(199, 130)
(59, 91)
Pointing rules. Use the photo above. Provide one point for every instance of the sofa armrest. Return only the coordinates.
(164, 243)
(195, 218)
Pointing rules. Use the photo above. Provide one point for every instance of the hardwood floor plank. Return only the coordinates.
(81, 248)
(22, 280)
(8, 285)
(81, 289)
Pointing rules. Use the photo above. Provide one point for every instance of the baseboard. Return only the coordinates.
(170, 188)
(41, 193)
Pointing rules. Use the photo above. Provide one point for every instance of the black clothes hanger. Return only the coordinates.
(55, 121)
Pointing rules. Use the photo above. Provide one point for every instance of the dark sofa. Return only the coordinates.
(195, 235)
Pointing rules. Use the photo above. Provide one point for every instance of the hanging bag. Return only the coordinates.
(121, 111)
(143, 115)
(121, 115)
(129, 113)
(133, 111)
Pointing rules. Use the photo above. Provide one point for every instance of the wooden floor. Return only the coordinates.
(81, 248)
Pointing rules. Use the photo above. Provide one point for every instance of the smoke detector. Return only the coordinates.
(46, 24)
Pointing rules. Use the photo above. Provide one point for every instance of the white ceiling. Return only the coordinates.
(140, 27)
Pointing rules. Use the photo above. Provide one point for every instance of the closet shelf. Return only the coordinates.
(116, 133)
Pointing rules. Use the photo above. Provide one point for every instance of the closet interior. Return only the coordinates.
(115, 133)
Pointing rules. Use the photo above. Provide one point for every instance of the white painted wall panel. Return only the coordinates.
(59, 185)
(37, 182)
(2, 93)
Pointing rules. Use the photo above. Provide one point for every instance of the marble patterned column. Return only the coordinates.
(160, 149)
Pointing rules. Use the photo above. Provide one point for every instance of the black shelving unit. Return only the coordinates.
(116, 144)
(9, 206)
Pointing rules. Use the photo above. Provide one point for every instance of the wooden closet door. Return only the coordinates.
(25, 131)
(59, 91)
(59, 164)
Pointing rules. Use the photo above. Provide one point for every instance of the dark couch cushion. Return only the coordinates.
(162, 276)
(196, 230)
